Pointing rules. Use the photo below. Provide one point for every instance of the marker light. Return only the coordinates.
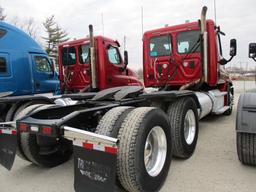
(47, 130)
(23, 127)
(34, 128)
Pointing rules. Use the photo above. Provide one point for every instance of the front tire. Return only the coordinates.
(183, 118)
(145, 150)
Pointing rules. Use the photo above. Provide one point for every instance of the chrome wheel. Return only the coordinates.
(190, 127)
(155, 151)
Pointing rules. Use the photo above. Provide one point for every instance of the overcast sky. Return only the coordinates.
(123, 18)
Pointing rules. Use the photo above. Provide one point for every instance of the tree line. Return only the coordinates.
(54, 33)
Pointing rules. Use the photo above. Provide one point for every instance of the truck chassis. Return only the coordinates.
(121, 136)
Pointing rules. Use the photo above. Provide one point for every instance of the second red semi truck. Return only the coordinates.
(125, 136)
(110, 71)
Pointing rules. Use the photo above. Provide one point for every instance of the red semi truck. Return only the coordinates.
(111, 70)
(125, 136)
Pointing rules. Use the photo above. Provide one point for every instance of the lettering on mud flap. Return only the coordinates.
(93, 171)
(7, 151)
(95, 167)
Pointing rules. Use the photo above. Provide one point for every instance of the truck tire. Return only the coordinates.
(141, 166)
(246, 148)
(17, 115)
(111, 122)
(31, 149)
(160, 105)
(183, 118)
(11, 112)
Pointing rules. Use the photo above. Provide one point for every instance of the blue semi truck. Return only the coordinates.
(25, 69)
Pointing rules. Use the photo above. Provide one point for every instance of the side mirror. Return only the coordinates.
(126, 58)
(232, 47)
(252, 50)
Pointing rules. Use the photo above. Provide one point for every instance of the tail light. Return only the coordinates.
(23, 127)
(47, 130)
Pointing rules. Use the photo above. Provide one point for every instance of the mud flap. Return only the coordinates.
(8, 144)
(95, 168)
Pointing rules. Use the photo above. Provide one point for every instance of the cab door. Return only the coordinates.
(160, 52)
(116, 76)
(45, 80)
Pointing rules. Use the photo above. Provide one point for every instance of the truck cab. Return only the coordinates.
(111, 70)
(25, 68)
(173, 56)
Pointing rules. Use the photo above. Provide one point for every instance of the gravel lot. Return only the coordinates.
(214, 167)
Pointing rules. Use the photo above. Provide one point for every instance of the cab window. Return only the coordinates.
(187, 41)
(3, 65)
(160, 46)
(113, 55)
(84, 53)
(2, 32)
(42, 64)
(68, 56)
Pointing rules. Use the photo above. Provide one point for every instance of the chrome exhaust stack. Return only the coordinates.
(204, 46)
(92, 59)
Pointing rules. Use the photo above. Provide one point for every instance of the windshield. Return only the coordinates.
(187, 40)
(84, 53)
(160, 46)
(68, 56)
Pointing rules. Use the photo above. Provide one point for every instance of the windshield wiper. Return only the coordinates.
(193, 48)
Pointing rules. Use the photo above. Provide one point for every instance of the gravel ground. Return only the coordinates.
(214, 167)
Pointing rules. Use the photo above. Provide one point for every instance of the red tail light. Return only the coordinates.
(23, 127)
(47, 130)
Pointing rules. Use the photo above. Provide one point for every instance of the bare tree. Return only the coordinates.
(2, 14)
(29, 26)
(14, 21)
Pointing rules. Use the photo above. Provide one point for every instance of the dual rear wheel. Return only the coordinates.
(40, 150)
(148, 137)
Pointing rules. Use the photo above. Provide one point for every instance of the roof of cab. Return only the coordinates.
(17, 40)
(175, 28)
(85, 41)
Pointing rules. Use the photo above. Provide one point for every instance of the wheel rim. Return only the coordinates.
(190, 126)
(155, 151)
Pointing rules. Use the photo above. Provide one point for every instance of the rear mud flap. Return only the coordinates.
(95, 168)
(8, 145)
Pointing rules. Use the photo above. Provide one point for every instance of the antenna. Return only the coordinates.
(142, 22)
(124, 42)
(102, 23)
(215, 14)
